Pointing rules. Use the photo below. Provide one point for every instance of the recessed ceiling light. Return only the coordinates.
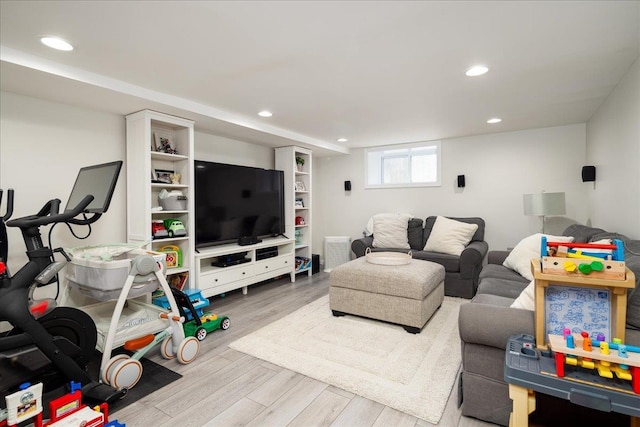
(476, 70)
(56, 43)
(494, 120)
(342, 139)
(265, 113)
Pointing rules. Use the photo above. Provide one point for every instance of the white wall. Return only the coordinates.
(499, 169)
(613, 146)
(43, 146)
(214, 148)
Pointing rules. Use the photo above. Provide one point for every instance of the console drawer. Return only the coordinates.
(224, 276)
(273, 264)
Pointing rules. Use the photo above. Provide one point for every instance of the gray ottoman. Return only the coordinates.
(404, 294)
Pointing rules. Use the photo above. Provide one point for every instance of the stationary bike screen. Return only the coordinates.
(97, 180)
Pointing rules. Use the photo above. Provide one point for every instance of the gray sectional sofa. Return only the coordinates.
(487, 322)
(461, 272)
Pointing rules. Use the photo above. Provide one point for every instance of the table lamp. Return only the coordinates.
(544, 204)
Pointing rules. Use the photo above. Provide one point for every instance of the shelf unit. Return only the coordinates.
(297, 202)
(143, 160)
(214, 280)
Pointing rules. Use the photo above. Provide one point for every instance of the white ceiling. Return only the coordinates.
(373, 72)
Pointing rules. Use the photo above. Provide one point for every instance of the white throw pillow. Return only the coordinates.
(368, 229)
(519, 259)
(527, 298)
(449, 236)
(599, 251)
(390, 231)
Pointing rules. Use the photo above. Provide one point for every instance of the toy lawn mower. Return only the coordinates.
(197, 324)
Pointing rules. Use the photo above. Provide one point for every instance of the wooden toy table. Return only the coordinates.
(528, 371)
(617, 288)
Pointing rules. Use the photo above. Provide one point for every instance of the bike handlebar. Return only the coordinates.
(49, 215)
(9, 211)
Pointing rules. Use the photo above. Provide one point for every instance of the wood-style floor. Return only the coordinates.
(223, 387)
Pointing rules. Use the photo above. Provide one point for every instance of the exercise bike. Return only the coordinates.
(50, 344)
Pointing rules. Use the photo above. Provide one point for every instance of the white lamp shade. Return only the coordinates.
(544, 204)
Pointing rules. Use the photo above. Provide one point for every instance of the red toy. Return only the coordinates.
(158, 231)
(65, 411)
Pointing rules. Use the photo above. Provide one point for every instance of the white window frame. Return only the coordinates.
(373, 172)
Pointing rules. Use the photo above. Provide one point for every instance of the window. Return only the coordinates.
(413, 165)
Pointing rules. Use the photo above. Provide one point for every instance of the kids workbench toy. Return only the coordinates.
(553, 372)
(578, 353)
(580, 286)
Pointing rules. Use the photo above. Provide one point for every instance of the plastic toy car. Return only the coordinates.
(158, 231)
(175, 228)
(208, 323)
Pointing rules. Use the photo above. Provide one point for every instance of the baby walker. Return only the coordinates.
(124, 371)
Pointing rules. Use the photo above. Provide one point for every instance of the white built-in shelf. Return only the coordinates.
(168, 186)
(286, 161)
(143, 128)
(171, 239)
(154, 212)
(155, 155)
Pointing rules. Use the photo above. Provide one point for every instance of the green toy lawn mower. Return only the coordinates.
(197, 323)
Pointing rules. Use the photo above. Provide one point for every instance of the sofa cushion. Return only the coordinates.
(633, 296)
(492, 300)
(581, 233)
(632, 261)
(414, 233)
(478, 235)
(527, 298)
(520, 257)
(498, 271)
(390, 231)
(451, 263)
(501, 287)
(449, 236)
(632, 337)
(368, 229)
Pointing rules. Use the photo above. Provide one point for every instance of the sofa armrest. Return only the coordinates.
(471, 259)
(497, 257)
(492, 325)
(359, 246)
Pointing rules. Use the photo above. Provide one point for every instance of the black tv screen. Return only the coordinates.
(234, 201)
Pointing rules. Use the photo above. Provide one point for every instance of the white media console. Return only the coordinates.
(241, 270)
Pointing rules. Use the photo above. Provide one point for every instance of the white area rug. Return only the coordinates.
(376, 360)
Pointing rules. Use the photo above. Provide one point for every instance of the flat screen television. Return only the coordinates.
(233, 201)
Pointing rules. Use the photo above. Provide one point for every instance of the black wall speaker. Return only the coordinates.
(315, 263)
(461, 181)
(347, 186)
(588, 173)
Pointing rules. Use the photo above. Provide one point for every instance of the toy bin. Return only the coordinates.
(100, 272)
(172, 200)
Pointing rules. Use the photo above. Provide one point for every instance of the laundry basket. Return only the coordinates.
(337, 250)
